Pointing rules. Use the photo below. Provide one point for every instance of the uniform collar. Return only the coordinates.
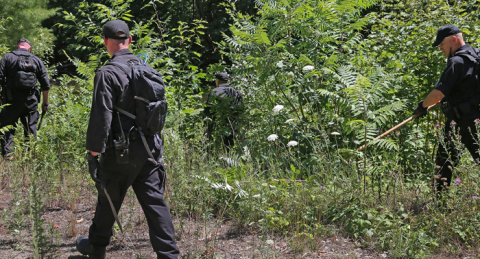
(122, 52)
(462, 48)
(22, 49)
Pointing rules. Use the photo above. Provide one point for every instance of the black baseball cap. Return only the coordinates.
(24, 40)
(444, 32)
(222, 76)
(116, 29)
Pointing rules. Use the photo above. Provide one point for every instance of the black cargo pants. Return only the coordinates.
(28, 115)
(147, 181)
(448, 155)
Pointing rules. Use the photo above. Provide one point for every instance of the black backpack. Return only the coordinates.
(473, 54)
(150, 101)
(25, 78)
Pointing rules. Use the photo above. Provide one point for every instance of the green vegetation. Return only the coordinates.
(325, 77)
(22, 19)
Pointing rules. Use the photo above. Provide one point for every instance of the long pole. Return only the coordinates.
(396, 127)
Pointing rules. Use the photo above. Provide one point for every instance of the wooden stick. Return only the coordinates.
(396, 127)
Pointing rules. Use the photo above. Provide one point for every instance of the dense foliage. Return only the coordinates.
(319, 80)
(22, 19)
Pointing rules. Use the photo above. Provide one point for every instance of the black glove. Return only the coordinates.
(420, 110)
(93, 167)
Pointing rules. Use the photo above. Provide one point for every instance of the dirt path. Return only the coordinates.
(195, 239)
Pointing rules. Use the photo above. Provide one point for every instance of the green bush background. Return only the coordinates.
(344, 72)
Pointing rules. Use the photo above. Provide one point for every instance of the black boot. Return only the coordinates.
(93, 251)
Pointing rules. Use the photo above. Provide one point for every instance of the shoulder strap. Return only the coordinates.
(471, 54)
(18, 54)
(127, 70)
(122, 111)
(124, 67)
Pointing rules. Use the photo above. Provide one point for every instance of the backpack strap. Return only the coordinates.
(18, 53)
(124, 67)
(122, 111)
(471, 54)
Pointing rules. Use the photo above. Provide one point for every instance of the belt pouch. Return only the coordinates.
(121, 150)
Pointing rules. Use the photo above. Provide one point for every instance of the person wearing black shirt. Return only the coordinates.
(224, 107)
(458, 90)
(112, 89)
(17, 67)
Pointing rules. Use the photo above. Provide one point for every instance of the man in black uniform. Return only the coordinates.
(458, 90)
(224, 106)
(147, 180)
(19, 72)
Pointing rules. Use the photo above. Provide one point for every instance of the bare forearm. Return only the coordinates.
(94, 153)
(433, 97)
(45, 97)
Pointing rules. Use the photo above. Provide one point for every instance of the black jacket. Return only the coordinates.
(224, 95)
(111, 88)
(9, 68)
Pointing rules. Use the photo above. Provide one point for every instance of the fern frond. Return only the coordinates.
(389, 112)
(260, 37)
(327, 93)
(386, 144)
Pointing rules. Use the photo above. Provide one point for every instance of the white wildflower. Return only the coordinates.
(331, 123)
(246, 151)
(289, 120)
(17, 203)
(256, 195)
(277, 108)
(292, 143)
(16, 231)
(308, 68)
(270, 242)
(272, 137)
(280, 64)
(335, 133)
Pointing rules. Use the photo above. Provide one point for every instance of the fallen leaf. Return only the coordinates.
(56, 226)
(206, 252)
(80, 220)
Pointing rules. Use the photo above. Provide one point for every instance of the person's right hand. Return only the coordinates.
(420, 110)
(45, 106)
(93, 167)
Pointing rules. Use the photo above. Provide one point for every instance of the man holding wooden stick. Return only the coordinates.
(459, 92)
